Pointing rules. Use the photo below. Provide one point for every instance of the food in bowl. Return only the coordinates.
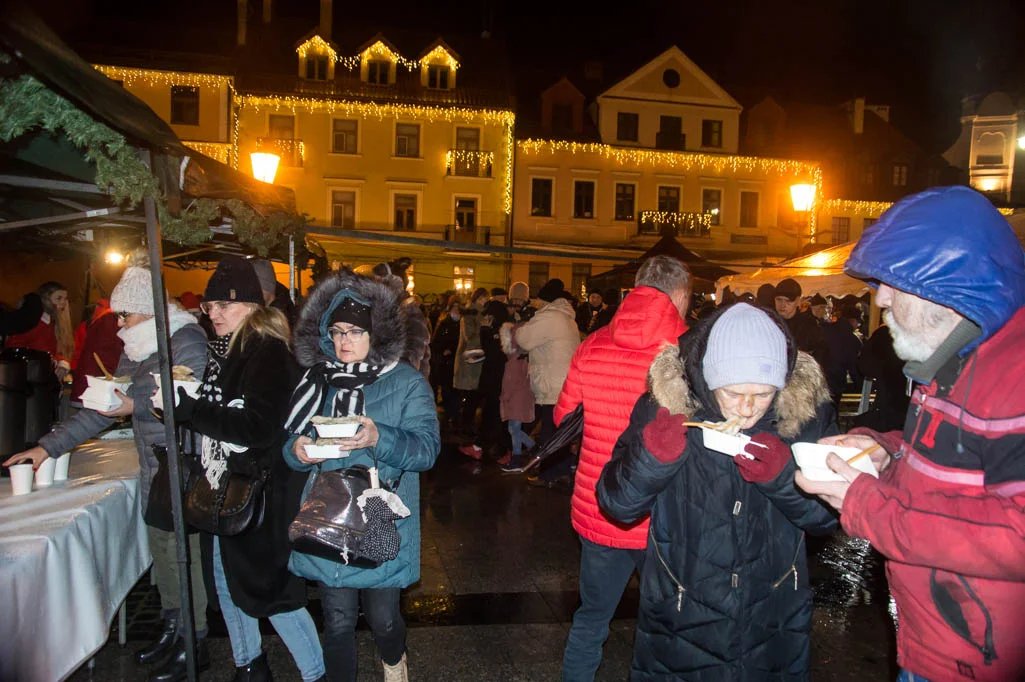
(182, 373)
(325, 448)
(336, 427)
(811, 458)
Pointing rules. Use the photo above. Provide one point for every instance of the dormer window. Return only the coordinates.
(438, 76)
(316, 59)
(378, 72)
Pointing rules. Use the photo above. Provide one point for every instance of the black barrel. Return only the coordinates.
(13, 402)
(41, 404)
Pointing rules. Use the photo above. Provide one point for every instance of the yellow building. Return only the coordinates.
(655, 153)
(389, 141)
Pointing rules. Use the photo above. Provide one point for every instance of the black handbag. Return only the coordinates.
(331, 525)
(571, 428)
(158, 506)
(234, 508)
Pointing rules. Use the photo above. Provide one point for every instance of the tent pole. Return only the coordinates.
(291, 267)
(170, 436)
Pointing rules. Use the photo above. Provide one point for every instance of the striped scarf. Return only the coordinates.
(311, 393)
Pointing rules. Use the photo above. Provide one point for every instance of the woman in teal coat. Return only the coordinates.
(351, 338)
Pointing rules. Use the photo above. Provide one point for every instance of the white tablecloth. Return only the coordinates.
(69, 555)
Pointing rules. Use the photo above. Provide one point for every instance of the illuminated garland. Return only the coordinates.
(129, 77)
(467, 156)
(676, 218)
(841, 206)
(439, 55)
(378, 111)
(510, 148)
(220, 151)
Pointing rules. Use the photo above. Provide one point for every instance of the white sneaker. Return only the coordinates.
(397, 672)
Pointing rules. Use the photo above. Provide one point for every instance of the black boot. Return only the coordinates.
(157, 650)
(174, 668)
(257, 671)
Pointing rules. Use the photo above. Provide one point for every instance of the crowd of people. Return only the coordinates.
(718, 541)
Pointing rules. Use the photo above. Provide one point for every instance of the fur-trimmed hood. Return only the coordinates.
(388, 332)
(676, 382)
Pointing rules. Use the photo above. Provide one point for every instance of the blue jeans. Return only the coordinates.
(520, 439)
(604, 575)
(908, 676)
(341, 611)
(296, 629)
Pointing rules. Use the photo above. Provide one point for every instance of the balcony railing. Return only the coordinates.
(469, 163)
(675, 224)
(291, 151)
(479, 235)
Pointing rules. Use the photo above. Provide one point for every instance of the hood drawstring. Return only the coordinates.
(964, 403)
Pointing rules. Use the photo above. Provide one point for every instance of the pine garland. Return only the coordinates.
(26, 104)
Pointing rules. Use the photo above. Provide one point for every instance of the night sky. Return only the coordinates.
(919, 56)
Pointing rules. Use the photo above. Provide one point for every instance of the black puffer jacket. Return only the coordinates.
(724, 589)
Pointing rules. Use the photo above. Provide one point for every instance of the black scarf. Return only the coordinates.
(311, 393)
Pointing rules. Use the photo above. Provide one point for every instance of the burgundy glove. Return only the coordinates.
(666, 436)
(770, 457)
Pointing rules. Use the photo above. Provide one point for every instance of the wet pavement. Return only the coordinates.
(499, 585)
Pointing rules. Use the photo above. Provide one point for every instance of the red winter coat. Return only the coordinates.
(608, 373)
(101, 339)
(950, 523)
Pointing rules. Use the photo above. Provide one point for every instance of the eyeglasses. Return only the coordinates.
(209, 307)
(353, 334)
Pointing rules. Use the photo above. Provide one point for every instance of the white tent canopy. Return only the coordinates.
(820, 272)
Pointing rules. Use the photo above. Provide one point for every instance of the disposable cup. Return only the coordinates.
(45, 472)
(60, 471)
(21, 478)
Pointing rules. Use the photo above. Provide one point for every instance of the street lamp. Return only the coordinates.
(265, 166)
(803, 196)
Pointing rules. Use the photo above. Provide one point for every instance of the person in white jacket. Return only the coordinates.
(550, 338)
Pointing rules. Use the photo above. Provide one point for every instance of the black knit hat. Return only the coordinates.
(499, 291)
(552, 289)
(789, 288)
(234, 280)
(353, 312)
(818, 300)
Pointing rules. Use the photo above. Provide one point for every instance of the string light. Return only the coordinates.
(439, 55)
(292, 152)
(843, 206)
(469, 157)
(129, 77)
(220, 151)
(507, 135)
(677, 218)
(379, 111)
(316, 45)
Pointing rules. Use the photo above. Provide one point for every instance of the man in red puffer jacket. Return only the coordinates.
(607, 375)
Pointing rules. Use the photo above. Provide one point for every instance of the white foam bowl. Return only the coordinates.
(346, 430)
(811, 457)
(102, 390)
(725, 443)
(97, 398)
(191, 389)
(325, 452)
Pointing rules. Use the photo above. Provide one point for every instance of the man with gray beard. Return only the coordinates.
(947, 508)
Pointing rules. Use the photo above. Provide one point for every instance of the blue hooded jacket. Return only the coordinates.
(951, 246)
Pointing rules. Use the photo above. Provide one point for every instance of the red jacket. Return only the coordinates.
(100, 338)
(608, 373)
(952, 524)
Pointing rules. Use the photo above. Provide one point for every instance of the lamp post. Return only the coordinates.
(265, 166)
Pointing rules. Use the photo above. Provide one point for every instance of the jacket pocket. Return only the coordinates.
(964, 612)
(681, 591)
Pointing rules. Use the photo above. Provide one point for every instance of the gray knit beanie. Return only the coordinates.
(745, 347)
(133, 293)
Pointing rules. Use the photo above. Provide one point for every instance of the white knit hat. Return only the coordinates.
(519, 290)
(134, 293)
(745, 347)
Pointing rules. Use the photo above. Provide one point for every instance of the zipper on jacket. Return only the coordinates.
(793, 567)
(680, 589)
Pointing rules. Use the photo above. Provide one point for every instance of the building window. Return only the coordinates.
(583, 199)
(670, 134)
(627, 125)
(581, 273)
(900, 175)
(711, 203)
(711, 133)
(562, 118)
(868, 174)
(185, 105)
(749, 209)
(624, 201)
(378, 72)
(466, 214)
(344, 136)
(407, 140)
(405, 212)
(669, 199)
(868, 222)
(343, 209)
(841, 230)
(281, 127)
(437, 77)
(462, 278)
(541, 197)
(538, 275)
(316, 67)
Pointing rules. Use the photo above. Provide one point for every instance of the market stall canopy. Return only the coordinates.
(820, 272)
(622, 276)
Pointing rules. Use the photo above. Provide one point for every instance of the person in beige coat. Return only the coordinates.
(550, 338)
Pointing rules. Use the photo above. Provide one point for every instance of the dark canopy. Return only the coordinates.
(622, 276)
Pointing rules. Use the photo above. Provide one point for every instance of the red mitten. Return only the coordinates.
(770, 457)
(666, 436)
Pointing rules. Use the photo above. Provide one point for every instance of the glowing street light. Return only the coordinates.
(803, 196)
(265, 166)
(1021, 142)
(114, 258)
